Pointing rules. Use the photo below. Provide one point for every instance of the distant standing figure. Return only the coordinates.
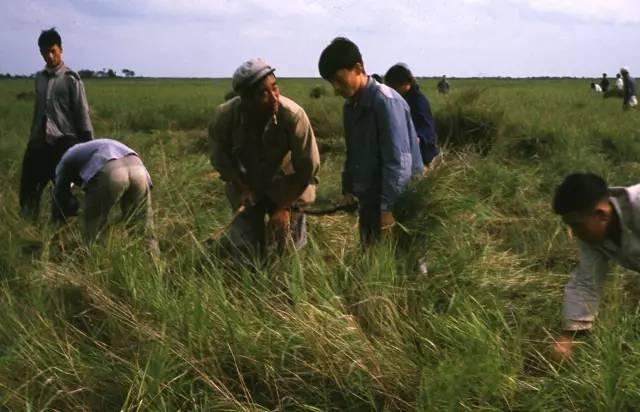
(109, 172)
(596, 87)
(604, 83)
(619, 82)
(60, 120)
(443, 85)
(629, 88)
(400, 78)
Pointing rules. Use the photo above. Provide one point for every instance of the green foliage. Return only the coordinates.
(318, 92)
(331, 327)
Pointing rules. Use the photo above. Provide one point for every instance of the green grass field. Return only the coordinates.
(329, 328)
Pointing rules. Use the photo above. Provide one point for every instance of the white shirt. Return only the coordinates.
(619, 83)
(582, 293)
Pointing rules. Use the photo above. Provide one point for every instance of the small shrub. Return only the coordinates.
(318, 92)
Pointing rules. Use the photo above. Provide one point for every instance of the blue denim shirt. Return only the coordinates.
(382, 144)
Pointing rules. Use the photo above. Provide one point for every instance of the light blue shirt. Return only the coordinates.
(382, 144)
(82, 162)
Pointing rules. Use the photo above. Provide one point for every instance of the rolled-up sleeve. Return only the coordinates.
(582, 292)
(395, 149)
(221, 147)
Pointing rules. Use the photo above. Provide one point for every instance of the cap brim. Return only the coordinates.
(256, 78)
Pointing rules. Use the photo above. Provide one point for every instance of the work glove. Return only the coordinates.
(387, 221)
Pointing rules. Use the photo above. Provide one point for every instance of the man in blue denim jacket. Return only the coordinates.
(381, 141)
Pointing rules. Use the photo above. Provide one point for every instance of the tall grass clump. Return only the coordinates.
(469, 123)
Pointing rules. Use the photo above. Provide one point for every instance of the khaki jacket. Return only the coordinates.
(286, 148)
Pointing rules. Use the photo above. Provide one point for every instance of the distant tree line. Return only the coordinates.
(105, 73)
(84, 73)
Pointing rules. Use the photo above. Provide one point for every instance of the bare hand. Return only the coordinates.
(387, 221)
(562, 349)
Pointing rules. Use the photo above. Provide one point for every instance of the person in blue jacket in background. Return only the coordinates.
(400, 78)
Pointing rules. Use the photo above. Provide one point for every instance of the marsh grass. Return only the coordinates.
(330, 327)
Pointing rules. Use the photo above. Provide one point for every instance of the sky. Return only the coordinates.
(211, 38)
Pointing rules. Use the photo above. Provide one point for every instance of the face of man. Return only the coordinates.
(590, 226)
(52, 55)
(348, 82)
(266, 98)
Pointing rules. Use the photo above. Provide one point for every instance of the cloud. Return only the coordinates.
(613, 11)
(211, 37)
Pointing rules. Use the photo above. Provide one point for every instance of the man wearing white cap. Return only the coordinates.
(629, 88)
(264, 148)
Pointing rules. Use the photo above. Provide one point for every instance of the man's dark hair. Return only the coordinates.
(579, 192)
(49, 38)
(341, 53)
(399, 74)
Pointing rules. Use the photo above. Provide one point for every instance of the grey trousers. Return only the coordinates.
(248, 232)
(122, 181)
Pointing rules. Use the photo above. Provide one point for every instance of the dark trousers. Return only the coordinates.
(38, 168)
(369, 218)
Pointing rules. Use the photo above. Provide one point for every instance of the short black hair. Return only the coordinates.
(49, 38)
(341, 53)
(579, 192)
(399, 74)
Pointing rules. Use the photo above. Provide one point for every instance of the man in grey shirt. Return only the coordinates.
(606, 221)
(60, 120)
